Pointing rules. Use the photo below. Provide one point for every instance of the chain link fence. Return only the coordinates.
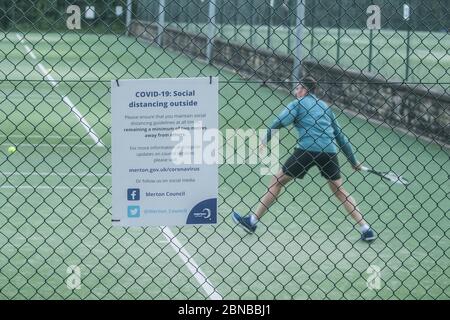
(382, 66)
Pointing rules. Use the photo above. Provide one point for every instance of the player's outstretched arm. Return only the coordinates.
(344, 143)
(284, 119)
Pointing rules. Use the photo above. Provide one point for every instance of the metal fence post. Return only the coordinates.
(269, 22)
(161, 19)
(128, 16)
(370, 49)
(252, 22)
(338, 50)
(235, 21)
(298, 56)
(408, 50)
(211, 28)
(288, 27)
(311, 32)
(406, 17)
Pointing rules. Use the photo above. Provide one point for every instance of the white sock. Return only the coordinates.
(364, 228)
(253, 219)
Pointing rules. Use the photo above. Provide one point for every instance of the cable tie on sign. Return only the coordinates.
(117, 82)
(210, 79)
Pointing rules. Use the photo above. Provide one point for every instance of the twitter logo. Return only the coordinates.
(134, 211)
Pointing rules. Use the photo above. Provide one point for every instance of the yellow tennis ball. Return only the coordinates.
(11, 150)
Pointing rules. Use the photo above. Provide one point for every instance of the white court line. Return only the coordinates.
(72, 107)
(19, 136)
(59, 174)
(193, 267)
(31, 53)
(31, 98)
(53, 188)
(54, 146)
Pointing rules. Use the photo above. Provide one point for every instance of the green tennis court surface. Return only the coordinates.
(56, 193)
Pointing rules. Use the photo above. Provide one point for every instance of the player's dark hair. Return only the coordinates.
(309, 83)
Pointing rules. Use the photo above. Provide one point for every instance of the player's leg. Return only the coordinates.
(276, 184)
(347, 201)
(330, 170)
(295, 167)
(351, 207)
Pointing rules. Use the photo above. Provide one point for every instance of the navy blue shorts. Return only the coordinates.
(301, 161)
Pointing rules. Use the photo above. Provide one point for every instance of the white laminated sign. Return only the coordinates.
(162, 146)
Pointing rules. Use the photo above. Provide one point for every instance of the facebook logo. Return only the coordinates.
(134, 211)
(133, 194)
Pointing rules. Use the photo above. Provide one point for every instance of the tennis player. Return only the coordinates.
(318, 130)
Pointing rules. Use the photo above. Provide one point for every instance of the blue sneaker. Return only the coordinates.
(243, 222)
(368, 235)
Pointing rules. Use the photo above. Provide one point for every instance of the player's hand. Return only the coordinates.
(357, 166)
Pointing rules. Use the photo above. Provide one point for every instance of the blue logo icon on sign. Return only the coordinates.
(134, 211)
(133, 194)
(204, 212)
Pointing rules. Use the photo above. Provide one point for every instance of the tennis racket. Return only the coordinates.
(390, 176)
